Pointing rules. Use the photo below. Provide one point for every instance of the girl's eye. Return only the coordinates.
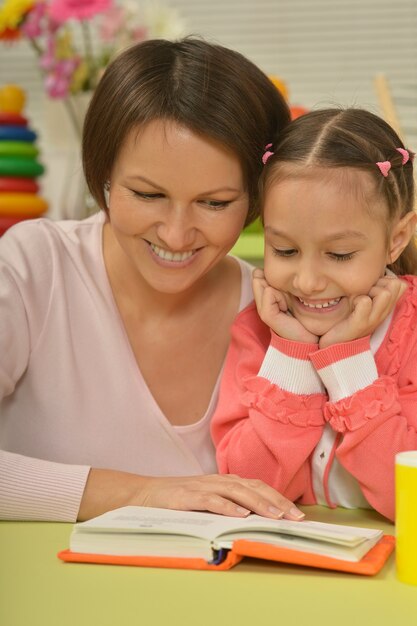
(287, 252)
(216, 204)
(341, 257)
(147, 196)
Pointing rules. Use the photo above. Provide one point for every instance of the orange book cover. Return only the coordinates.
(369, 565)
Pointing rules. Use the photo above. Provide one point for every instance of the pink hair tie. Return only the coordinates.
(384, 167)
(405, 154)
(267, 154)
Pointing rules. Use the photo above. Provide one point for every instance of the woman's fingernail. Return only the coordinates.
(275, 511)
(296, 513)
(242, 511)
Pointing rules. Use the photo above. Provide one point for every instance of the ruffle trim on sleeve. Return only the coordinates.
(352, 413)
(285, 407)
(401, 332)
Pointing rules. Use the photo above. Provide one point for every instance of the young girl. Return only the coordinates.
(320, 385)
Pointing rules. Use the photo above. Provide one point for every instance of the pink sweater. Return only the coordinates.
(71, 393)
(278, 397)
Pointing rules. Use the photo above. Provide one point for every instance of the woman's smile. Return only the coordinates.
(171, 259)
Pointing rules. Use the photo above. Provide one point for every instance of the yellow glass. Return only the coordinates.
(406, 516)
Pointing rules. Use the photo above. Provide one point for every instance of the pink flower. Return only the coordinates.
(112, 22)
(58, 80)
(47, 60)
(63, 10)
(56, 86)
(140, 33)
(32, 27)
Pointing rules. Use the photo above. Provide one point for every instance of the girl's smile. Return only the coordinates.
(316, 306)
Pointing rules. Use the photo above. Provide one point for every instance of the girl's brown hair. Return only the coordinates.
(353, 138)
(214, 91)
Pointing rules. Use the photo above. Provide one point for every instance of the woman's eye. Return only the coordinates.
(284, 252)
(216, 204)
(147, 196)
(341, 257)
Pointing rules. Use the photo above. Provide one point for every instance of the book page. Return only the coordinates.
(332, 533)
(146, 520)
(302, 544)
(210, 526)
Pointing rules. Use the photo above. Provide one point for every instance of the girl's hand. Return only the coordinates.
(368, 312)
(273, 310)
(218, 493)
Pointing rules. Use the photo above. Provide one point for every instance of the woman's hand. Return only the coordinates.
(369, 311)
(225, 494)
(273, 310)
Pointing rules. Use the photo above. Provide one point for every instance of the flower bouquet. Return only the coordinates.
(74, 40)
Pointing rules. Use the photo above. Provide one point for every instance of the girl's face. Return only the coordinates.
(325, 244)
(177, 204)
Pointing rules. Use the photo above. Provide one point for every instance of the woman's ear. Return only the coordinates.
(401, 235)
(107, 193)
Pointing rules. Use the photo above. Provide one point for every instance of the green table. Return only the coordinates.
(36, 589)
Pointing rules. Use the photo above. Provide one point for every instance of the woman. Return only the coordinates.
(114, 329)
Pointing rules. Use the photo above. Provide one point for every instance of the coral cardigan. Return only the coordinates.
(280, 399)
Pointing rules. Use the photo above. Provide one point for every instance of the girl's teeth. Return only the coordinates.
(322, 305)
(171, 256)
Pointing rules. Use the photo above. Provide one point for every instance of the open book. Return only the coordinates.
(143, 532)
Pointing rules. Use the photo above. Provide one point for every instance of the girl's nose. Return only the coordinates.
(308, 279)
(177, 230)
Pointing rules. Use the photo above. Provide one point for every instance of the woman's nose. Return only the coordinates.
(177, 230)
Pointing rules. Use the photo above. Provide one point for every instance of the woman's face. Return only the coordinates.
(177, 204)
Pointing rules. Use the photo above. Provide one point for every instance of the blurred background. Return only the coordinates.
(324, 53)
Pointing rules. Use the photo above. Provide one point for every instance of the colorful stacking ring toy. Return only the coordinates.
(12, 99)
(20, 166)
(12, 119)
(22, 205)
(15, 183)
(16, 133)
(18, 148)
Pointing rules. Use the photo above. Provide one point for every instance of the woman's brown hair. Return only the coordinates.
(353, 138)
(214, 91)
